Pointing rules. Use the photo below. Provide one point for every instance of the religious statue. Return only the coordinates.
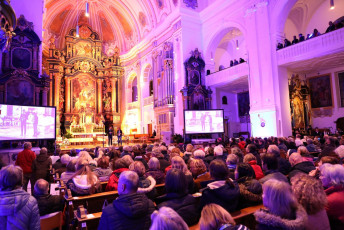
(74, 122)
(107, 103)
(52, 42)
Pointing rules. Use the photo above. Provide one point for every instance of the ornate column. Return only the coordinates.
(67, 94)
(100, 96)
(51, 91)
(57, 91)
(37, 91)
(114, 96)
(45, 96)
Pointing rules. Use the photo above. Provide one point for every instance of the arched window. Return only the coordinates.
(224, 100)
(134, 90)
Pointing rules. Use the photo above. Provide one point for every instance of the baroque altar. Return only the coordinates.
(85, 83)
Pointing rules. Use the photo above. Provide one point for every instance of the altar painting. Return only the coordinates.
(84, 48)
(84, 94)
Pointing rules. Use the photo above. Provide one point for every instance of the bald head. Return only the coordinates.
(295, 158)
(41, 187)
(128, 183)
(274, 149)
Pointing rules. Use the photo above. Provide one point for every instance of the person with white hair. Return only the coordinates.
(332, 178)
(18, 210)
(283, 164)
(299, 165)
(65, 158)
(131, 210)
(340, 151)
(219, 154)
(167, 219)
(47, 203)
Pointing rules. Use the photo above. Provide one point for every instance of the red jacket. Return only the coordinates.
(242, 144)
(257, 169)
(335, 202)
(25, 159)
(113, 180)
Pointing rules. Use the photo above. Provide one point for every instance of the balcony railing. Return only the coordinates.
(325, 44)
(133, 105)
(148, 100)
(165, 101)
(228, 74)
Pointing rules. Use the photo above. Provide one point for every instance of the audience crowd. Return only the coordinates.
(299, 180)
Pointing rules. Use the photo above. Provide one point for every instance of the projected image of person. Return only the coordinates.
(203, 121)
(23, 119)
(209, 122)
(35, 124)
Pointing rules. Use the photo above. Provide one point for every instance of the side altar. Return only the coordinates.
(85, 83)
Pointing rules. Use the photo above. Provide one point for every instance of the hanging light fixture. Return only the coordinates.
(332, 4)
(237, 44)
(77, 31)
(211, 56)
(87, 11)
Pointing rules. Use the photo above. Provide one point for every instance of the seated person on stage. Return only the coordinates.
(47, 203)
(84, 181)
(178, 198)
(223, 191)
(18, 210)
(131, 210)
(167, 218)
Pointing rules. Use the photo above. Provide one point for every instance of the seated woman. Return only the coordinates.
(103, 171)
(84, 181)
(199, 172)
(146, 184)
(69, 172)
(178, 163)
(154, 171)
(223, 191)
(283, 211)
(250, 189)
(121, 165)
(252, 160)
(177, 197)
(214, 217)
(310, 194)
(332, 178)
(19, 210)
(167, 218)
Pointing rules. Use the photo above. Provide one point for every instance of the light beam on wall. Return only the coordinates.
(77, 31)
(331, 4)
(211, 56)
(87, 11)
(237, 44)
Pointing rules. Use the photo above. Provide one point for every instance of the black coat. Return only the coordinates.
(283, 166)
(250, 193)
(48, 204)
(303, 167)
(41, 167)
(163, 164)
(184, 205)
(130, 211)
(158, 176)
(225, 196)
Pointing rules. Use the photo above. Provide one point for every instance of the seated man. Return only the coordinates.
(270, 167)
(130, 210)
(46, 203)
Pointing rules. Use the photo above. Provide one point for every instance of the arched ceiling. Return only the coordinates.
(122, 23)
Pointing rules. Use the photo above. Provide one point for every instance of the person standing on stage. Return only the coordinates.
(110, 134)
(119, 135)
(25, 159)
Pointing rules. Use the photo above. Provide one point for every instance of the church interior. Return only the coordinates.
(132, 69)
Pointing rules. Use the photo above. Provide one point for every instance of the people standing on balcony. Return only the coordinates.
(295, 41)
(236, 62)
(279, 46)
(331, 27)
(231, 63)
(315, 33)
(241, 60)
(286, 42)
(301, 38)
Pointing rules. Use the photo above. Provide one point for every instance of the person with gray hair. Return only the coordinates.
(41, 167)
(46, 203)
(332, 178)
(299, 165)
(284, 166)
(231, 162)
(18, 210)
(167, 219)
(131, 210)
(24, 160)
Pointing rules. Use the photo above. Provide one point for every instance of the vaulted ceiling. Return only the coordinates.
(122, 23)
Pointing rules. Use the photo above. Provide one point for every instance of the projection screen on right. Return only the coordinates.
(203, 121)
